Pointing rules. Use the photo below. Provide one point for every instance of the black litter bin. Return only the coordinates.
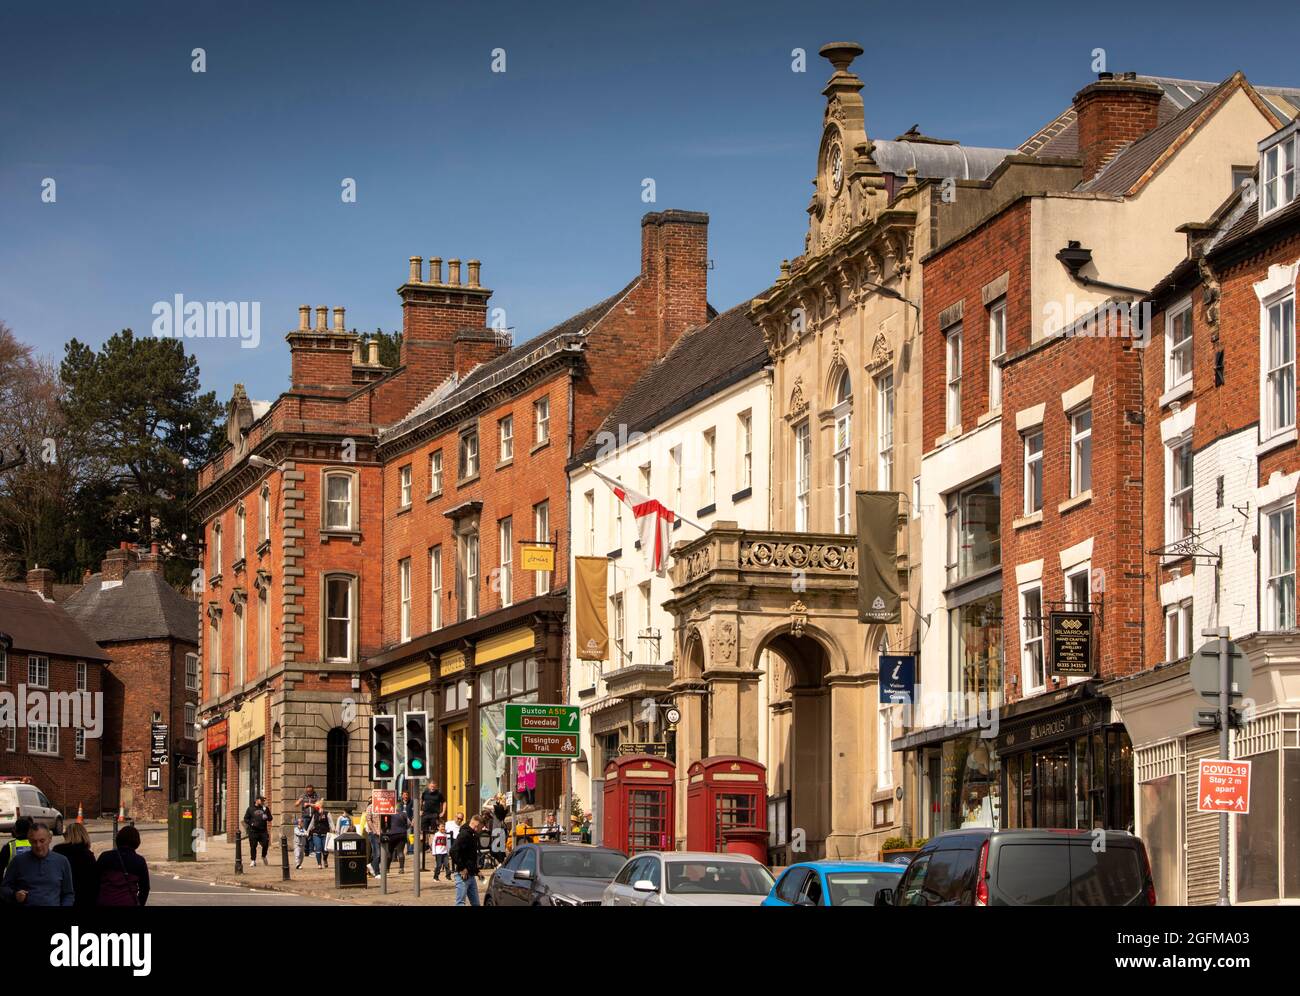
(350, 855)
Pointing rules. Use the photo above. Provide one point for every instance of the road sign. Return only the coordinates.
(384, 801)
(542, 730)
(1205, 670)
(657, 749)
(897, 678)
(1223, 787)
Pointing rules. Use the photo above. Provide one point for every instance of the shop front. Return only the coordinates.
(247, 727)
(216, 739)
(1065, 763)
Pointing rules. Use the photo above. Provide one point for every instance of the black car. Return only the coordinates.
(554, 875)
(984, 867)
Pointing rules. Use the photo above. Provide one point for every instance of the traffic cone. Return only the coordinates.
(80, 816)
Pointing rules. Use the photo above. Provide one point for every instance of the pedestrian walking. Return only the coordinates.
(123, 874)
(433, 809)
(398, 829)
(319, 829)
(85, 873)
(301, 839)
(18, 843)
(257, 820)
(441, 851)
(453, 827)
(371, 825)
(307, 801)
(38, 876)
(408, 808)
(464, 859)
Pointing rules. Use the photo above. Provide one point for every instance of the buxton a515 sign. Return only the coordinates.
(1071, 643)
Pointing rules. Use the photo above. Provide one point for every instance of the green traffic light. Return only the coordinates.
(417, 764)
(383, 765)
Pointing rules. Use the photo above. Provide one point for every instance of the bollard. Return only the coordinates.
(239, 853)
(284, 856)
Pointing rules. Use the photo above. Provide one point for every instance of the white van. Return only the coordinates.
(21, 798)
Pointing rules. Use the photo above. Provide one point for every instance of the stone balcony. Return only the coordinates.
(637, 681)
(728, 555)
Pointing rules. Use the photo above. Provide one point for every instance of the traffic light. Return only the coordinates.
(417, 744)
(383, 766)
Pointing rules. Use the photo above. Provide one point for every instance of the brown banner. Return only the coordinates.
(878, 598)
(591, 624)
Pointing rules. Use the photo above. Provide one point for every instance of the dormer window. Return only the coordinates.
(1277, 169)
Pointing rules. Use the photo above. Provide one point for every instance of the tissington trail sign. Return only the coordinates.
(542, 730)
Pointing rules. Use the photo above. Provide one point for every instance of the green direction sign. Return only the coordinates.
(541, 731)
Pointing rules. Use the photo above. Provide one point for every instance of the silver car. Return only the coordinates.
(21, 798)
(688, 878)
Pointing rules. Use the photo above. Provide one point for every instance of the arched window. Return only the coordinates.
(844, 455)
(336, 764)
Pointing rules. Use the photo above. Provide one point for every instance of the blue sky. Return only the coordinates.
(225, 185)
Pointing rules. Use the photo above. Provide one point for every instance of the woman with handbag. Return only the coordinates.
(123, 874)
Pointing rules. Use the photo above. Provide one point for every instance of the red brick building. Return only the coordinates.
(478, 468)
(45, 658)
(355, 527)
(151, 686)
(1221, 471)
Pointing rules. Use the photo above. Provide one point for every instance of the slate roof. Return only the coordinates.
(44, 627)
(704, 361)
(1060, 136)
(143, 607)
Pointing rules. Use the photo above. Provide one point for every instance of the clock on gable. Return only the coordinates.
(835, 166)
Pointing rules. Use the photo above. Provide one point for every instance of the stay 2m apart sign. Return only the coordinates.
(1223, 787)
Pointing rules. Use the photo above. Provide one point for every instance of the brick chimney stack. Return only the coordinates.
(320, 358)
(674, 259)
(118, 563)
(41, 580)
(434, 310)
(151, 561)
(1113, 112)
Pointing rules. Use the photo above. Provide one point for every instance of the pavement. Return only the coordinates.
(212, 880)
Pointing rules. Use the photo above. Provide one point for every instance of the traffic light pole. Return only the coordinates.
(417, 831)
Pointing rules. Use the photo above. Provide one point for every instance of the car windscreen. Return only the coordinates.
(733, 878)
(859, 888)
(1106, 876)
(581, 864)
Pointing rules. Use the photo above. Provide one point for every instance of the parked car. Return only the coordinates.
(688, 878)
(554, 875)
(19, 797)
(1029, 868)
(835, 883)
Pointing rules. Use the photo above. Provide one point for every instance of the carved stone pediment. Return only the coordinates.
(798, 618)
(882, 354)
(798, 403)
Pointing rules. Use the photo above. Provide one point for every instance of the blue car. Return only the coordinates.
(834, 883)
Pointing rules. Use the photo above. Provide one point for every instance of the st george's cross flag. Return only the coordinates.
(653, 521)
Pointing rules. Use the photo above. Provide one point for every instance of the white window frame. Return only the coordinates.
(264, 514)
(435, 472)
(82, 676)
(193, 673)
(710, 466)
(997, 349)
(344, 508)
(1083, 570)
(404, 485)
(885, 431)
(647, 605)
(953, 351)
(79, 743)
(11, 738)
(802, 475)
(541, 421)
(589, 509)
(542, 533)
(884, 745)
(746, 433)
(435, 587)
(843, 455)
(241, 643)
(1179, 614)
(4, 667)
(619, 618)
(468, 465)
(191, 721)
(240, 527)
(214, 634)
(506, 557)
(1029, 641)
(506, 439)
(1275, 576)
(42, 739)
(1032, 459)
(263, 631)
(1278, 168)
(679, 474)
(1079, 438)
(38, 671)
(469, 551)
(1271, 421)
(350, 618)
(1179, 317)
(404, 591)
(216, 549)
(1175, 527)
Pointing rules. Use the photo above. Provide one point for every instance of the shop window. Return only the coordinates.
(1258, 850)
(976, 649)
(1162, 802)
(975, 529)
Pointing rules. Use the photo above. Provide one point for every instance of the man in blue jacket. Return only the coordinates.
(38, 877)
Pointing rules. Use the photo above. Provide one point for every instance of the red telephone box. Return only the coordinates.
(639, 810)
(723, 793)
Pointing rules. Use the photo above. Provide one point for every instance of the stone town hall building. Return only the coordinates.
(362, 530)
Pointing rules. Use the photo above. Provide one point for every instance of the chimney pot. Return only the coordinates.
(357, 348)
(304, 317)
(374, 352)
(474, 266)
(338, 320)
(435, 269)
(322, 318)
(453, 272)
(417, 264)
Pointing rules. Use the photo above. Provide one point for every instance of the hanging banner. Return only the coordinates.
(591, 624)
(878, 596)
(1071, 645)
